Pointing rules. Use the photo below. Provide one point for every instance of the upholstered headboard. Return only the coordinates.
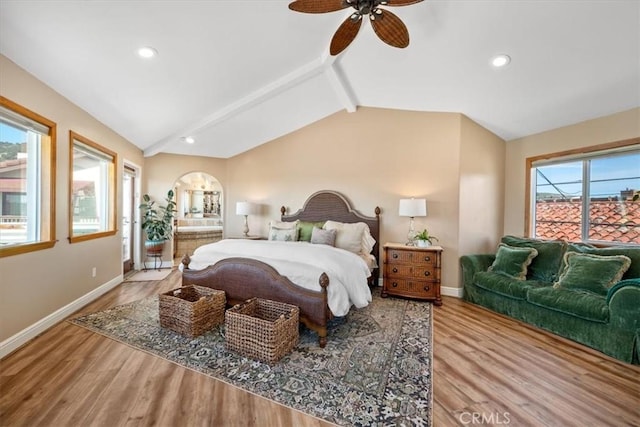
(328, 205)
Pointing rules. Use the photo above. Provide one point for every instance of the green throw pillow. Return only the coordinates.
(513, 261)
(305, 228)
(631, 251)
(593, 273)
(548, 263)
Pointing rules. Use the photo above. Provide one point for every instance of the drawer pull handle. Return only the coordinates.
(395, 270)
(427, 273)
(427, 258)
(426, 288)
(395, 255)
(394, 284)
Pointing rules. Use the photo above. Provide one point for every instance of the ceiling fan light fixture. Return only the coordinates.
(387, 26)
(501, 60)
(147, 52)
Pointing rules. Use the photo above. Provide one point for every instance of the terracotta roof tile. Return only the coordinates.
(612, 221)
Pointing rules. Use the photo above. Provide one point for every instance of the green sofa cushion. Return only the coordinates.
(593, 273)
(633, 252)
(513, 261)
(546, 265)
(505, 285)
(305, 228)
(582, 304)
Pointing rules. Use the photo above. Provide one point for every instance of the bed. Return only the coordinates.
(245, 272)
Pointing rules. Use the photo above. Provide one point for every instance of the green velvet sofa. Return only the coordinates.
(606, 319)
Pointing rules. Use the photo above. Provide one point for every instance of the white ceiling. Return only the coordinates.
(236, 74)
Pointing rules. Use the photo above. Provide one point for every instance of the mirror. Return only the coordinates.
(201, 204)
(199, 196)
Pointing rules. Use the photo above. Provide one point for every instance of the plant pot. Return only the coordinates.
(423, 243)
(154, 247)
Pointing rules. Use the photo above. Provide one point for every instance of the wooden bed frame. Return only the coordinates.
(244, 278)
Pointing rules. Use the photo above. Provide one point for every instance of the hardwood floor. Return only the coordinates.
(489, 365)
(488, 370)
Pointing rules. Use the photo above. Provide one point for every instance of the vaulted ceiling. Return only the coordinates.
(236, 74)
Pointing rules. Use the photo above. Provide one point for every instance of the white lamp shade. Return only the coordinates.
(244, 208)
(413, 207)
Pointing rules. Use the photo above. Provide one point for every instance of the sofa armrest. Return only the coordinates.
(624, 304)
(473, 263)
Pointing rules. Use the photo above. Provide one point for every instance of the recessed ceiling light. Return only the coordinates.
(501, 60)
(147, 52)
(189, 139)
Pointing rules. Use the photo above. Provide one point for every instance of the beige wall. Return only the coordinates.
(481, 216)
(375, 157)
(616, 127)
(163, 170)
(36, 284)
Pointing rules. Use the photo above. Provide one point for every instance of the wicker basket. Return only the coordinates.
(262, 329)
(192, 310)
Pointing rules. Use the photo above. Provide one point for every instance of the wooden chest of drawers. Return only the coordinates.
(412, 272)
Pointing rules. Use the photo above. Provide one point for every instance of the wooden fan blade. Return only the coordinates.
(344, 35)
(390, 29)
(401, 2)
(318, 6)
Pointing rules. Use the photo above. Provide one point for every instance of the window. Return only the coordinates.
(92, 209)
(587, 196)
(27, 180)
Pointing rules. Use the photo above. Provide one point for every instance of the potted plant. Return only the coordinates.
(424, 239)
(157, 222)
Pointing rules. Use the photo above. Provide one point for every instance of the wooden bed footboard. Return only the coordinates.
(244, 278)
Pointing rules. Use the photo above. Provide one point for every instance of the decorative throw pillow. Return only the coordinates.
(631, 251)
(323, 237)
(349, 236)
(513, 261)
(593, 273)
(283, 235)
(546, 265)
(284, 225)
(305, 228)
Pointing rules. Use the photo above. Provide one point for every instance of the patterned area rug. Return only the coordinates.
(375, 370)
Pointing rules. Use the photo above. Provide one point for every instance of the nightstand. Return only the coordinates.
(413, 272)
(248, 237)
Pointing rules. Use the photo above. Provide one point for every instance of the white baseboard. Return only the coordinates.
(451, 292)
(12, 343)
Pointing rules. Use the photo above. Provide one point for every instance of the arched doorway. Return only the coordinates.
(199, 200)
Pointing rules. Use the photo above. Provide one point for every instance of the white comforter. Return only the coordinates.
(302, 263)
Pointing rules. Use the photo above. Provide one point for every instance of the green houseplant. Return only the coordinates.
(424, 239)
(157, 222)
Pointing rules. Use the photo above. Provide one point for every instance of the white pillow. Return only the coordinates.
(283, 225)
(368, 242)
(283, 234)
(351, 237)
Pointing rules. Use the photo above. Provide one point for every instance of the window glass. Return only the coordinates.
(27, 180)
(92, 190)
(613, 215)
(558, 208)
(588, 199)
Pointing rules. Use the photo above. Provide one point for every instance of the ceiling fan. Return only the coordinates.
(388, 27)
